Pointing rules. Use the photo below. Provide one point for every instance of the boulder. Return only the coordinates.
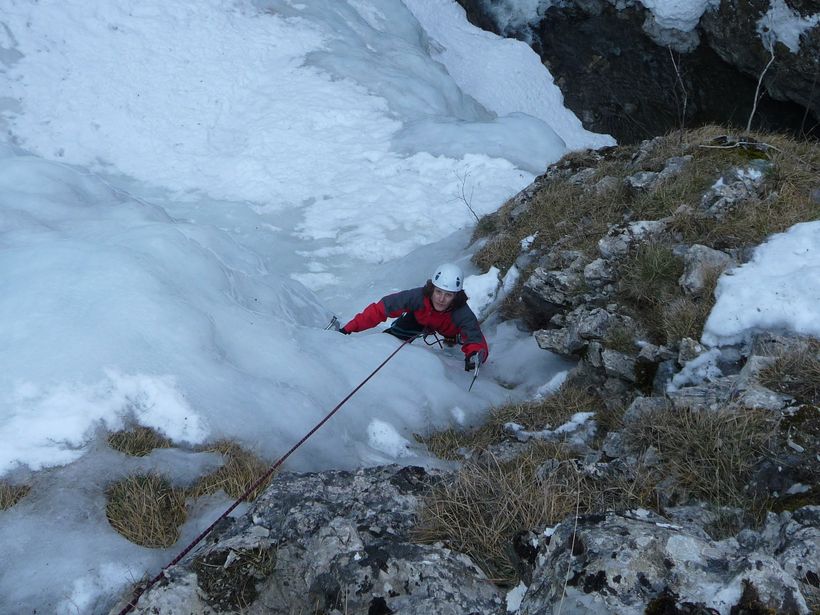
(330, 542)
(592, 47)
(620, 238)
(737, 188)
(626, 564)
(700, 264)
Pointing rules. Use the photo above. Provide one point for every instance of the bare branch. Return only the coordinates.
(462, 195)
(757, 90)
(682, 88)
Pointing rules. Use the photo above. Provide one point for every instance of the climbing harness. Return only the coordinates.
(436, 340)
(440, 343)
(335, 325)
(139, 592)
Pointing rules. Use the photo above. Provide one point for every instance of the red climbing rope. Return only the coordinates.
(139, 592)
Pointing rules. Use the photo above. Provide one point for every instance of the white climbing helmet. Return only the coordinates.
(448, 277)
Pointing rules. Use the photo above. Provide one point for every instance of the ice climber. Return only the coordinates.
(439, 306)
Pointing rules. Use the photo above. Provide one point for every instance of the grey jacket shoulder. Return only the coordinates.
(465, 319)
(404, 300)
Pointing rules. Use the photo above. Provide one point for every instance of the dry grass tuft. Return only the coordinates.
(229, 578)
(560, 211)
(650, 274)
(649, 282)
(549, 412)
(11, 494)
(685, 316)
(146, 510)
(240, 470)
(138, 441)
(796, 373)
(486, 226)
(500, 251)
(489, 502)
(622, 339)
(708, 453)
(609, 417)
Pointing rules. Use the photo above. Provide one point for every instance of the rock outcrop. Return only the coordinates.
(332, 542)
(625, 75)
(339, 542)
(344, 542)
(628, 564)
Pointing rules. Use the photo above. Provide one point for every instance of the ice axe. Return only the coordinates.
(475, 375)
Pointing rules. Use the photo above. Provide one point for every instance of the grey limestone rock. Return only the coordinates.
(701, 262)
(689, 349)
(560, 341)
(599, 272)
(734, 189)
(621, 237)
(582, 177)
(705, 396)
(552, 287)
(608, 185)
(643, 406)
(335, 540)
(655, 354)
(618, 364)
(642, 181)
(682, 42)
(581, 326)
(620, 563)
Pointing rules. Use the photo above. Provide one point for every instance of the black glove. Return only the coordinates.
(473, 359)
(344, 331)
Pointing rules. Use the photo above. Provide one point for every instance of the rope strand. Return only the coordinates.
(137, 594)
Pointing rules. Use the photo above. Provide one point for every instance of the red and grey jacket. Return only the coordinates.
(458, 320)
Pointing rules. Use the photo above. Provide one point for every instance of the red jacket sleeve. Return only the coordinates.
(369, 317)
(480, 347)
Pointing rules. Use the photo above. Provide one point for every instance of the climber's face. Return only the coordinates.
(442, 299)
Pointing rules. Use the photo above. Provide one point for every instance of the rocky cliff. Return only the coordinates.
(624, 74)
(692, 490)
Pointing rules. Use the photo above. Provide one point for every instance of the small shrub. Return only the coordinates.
(796, 373)
(240, 470)
(708, 453)
(137, 441)
(11, 494)
(146, 510)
